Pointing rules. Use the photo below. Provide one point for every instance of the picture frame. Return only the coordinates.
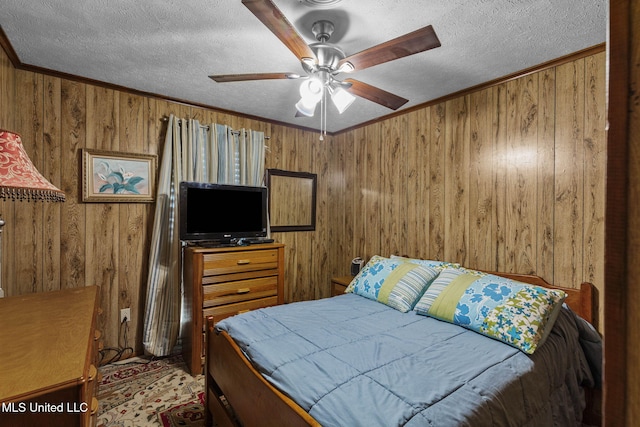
(292, 200)
(113, 176)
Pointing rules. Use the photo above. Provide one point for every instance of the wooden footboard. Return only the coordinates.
(255, 402)
(237, 395)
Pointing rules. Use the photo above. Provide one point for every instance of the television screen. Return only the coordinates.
(218, 212)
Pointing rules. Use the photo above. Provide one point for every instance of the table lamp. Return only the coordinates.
(20, 180)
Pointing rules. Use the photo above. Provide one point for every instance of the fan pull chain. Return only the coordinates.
(323, 115)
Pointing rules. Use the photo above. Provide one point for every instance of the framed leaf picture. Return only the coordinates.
(111, 176)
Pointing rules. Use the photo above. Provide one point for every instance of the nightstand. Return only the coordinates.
(339, 284)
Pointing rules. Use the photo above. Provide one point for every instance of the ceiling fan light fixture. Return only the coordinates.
(306, 108)
(341, 98)
(311, 90)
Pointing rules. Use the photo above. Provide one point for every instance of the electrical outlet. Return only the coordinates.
(125, 313)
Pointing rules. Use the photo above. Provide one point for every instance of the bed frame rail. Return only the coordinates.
(255, 401)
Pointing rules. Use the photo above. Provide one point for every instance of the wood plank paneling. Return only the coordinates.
(546, 178)
(481, 169)
(393, 173)
(456, 183)
(372, 191)
(437, 179)
(418, 183)
(133, 220)
(499, 182)
(25, 231)
(73, 215)
(51, 169)
(520, 169)
(362, 199)
(595, 159)
(7, 117)
(569, 173)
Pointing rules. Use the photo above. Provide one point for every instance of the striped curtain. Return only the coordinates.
(214, 153)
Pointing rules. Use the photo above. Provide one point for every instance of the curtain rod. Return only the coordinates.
(235, 132)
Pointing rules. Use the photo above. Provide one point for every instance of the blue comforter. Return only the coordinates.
(351, 361)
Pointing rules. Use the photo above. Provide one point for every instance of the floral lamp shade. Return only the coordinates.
(19, 179)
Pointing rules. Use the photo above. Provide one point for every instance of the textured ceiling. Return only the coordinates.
(170, 47)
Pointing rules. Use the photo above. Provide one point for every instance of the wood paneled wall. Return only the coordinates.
(508, 178)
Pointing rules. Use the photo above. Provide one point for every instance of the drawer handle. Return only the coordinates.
(94, 405)
(92, 372)
(243, 291)
(243, 311)
(244, 261)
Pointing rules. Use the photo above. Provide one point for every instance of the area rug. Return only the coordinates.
(142, 392)
(186, 415)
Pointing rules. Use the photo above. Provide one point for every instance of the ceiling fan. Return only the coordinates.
(323, 61)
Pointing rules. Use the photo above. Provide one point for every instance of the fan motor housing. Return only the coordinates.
(329, 55)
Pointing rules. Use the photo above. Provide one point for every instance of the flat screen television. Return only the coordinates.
(220, 213)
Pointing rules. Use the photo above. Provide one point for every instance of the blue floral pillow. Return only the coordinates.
(393, 282)
(516, 313)
(426, 262)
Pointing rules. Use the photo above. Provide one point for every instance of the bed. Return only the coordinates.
(350, 360)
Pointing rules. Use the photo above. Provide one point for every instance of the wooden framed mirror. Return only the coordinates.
(292, 200)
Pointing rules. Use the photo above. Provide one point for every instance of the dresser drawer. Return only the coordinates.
(225, 311)
(240, 290)
(238, 262)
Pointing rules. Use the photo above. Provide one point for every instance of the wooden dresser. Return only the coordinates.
(48, 358)
(222, 282)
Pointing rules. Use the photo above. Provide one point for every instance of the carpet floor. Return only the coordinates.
(140, 392)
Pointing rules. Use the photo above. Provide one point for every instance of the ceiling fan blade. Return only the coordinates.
(375, 94)
(409, 44)
(223, 78)
(272, 17)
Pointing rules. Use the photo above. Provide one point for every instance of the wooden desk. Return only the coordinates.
(48, 351)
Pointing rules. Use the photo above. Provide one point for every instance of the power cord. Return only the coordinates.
(119, 351)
